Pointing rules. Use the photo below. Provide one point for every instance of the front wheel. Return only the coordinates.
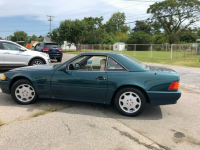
(36, 62)
(130, 101)
(23, 92)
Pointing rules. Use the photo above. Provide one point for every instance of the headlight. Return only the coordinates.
(3, 77)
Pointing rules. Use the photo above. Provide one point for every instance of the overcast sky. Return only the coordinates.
(30, 15)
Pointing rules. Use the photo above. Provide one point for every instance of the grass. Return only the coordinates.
(48, 110)
(179, 58)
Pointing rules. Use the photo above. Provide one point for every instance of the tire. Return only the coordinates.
(135, 101)
(24, 96)
(59, 59)
(36, 62)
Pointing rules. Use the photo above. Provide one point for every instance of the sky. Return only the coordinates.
(31, 16)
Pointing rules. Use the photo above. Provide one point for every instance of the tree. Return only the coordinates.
(159, 39)
(20, 36)
(117, 23)
(175, 16)
(74, 31)
(55, 36)
(121, 37)
(32, 38)
(139, 37)
(144, 26)
(0, 38)
(96, 30)
(78, 31)
(188, 37)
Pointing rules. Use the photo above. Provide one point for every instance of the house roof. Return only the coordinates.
(47, 39)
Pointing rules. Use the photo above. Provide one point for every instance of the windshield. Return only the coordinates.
(52, 45)
(137, 61)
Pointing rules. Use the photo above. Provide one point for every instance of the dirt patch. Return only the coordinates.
(180, 137)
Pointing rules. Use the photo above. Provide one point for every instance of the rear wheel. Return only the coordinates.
(130, 101)
(36, 62)
(59, 59)
(23, 92)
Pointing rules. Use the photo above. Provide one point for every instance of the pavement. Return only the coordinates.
(57, 124)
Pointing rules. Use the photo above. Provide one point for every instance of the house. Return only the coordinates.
(68, 46)
(33, 43)
(119, 46)
(47, 39)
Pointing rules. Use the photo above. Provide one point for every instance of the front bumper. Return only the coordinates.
(4, 86)
(163, 98)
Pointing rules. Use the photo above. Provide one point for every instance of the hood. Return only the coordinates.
(31, 52)
(161, 69)
(34, 68)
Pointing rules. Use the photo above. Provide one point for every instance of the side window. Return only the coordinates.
(114, 66)
(10, 46)
(37, 47)
(88, 63)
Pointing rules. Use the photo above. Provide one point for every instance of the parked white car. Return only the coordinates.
(15, 55)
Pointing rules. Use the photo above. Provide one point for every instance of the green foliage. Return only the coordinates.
(20, 36)
(139, 37)
(40, 39)
(55, 36)
(1, 38)
(74, 31)
(77, 31)
(32, 38)
(188, 37)
(142, 26)
(116, 23)
(121, 37)
(159, 39)
(175, 16)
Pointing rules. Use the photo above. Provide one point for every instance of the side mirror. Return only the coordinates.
(22, 49)
(67, 71)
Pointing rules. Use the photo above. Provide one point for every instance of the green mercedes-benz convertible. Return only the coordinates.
(95, 77)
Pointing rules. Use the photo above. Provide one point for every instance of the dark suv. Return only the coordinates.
(53, 49)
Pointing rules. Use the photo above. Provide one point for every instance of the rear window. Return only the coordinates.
(52, 45)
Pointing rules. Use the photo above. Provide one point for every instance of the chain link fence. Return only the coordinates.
(151, 51)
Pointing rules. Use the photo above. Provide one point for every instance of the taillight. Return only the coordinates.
(45, 49)
(60, 49)
(174, 85)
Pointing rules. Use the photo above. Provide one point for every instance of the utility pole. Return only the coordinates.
(50, 19)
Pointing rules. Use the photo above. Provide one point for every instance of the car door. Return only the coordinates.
(86, 83)
(1, 55)
(13, 56)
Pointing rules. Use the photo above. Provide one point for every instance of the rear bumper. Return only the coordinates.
(55, 55)
(4, 86)
(163, 98)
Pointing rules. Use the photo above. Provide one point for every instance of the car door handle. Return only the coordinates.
(100, 78)
(6, 53)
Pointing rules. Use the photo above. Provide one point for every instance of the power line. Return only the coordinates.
(50, 20)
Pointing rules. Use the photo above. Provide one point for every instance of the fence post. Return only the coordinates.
(134, 49)
(196, 48)
(84, 47)
(171, 51)
(151, 50)
(92, 47)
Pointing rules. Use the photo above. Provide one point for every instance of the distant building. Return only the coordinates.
(119, 46)
(47, 39)
(68, 46)
(33, 43)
